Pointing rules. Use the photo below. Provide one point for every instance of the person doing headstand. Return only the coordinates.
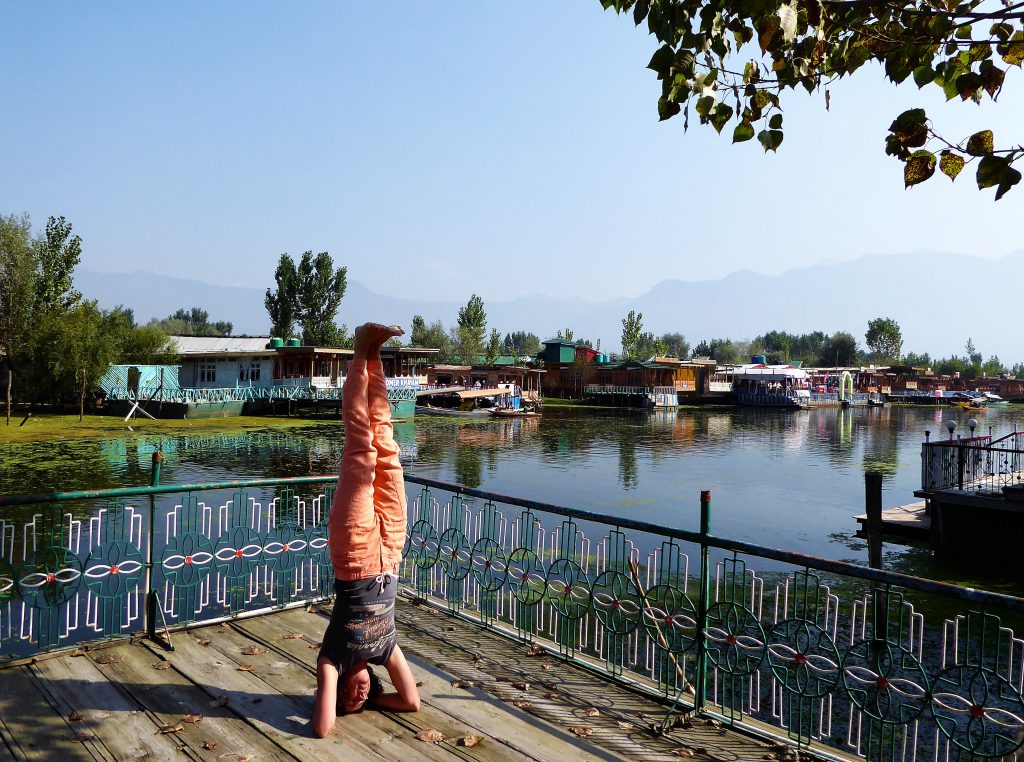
(366, 532)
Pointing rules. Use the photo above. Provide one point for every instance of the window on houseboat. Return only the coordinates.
(207, 372)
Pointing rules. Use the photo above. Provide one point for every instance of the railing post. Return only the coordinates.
(700, 696)
(873, 508)
(151, 602)
(959, 463)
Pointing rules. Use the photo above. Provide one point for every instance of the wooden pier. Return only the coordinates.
(910, 522)
(243, 690)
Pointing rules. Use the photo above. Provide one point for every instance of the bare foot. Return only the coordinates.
(370, 337)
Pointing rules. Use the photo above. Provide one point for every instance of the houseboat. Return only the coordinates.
(771, 386)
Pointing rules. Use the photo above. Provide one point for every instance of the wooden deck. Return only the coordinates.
(244, 691)
(904, 521)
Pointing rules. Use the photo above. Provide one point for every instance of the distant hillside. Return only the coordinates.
(939, 300)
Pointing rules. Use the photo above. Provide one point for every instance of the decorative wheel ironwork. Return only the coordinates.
(803, 658)
(238, 551)
(568, 588)
(979, 711)
(489, 564)
(187, 559)
(113, 569)
(455, 554)
(422, 546)
(50, 577)
(735, 639)
(527, 576)
(671, 614)
(885, 681)
(284, 548)
(616, 602)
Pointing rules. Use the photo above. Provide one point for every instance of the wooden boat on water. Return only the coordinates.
(508, 412)
(974, 406)
(461, 403)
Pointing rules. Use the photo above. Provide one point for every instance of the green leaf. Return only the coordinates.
(919, 167)
(640, 11)
(722, 115)
(1014, 53)
(996, 171)
(766, 31)
(968, 84)
(1010, 178)
(770, 139)
(762, 99)
(661, 61)
(667, 109)
(951, 164)
(775, 122)
(743, 132)
(924, 75)
(963, 33)
(980, 143)
(704, 106)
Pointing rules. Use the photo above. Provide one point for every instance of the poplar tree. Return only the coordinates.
(17, 293)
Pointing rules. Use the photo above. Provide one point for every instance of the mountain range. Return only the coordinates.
(940, 300)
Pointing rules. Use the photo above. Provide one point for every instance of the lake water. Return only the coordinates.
(791, 480)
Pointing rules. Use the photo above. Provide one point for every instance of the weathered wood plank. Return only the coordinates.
(510, 731)
(168, 695)
(292, 668)
(282, 718)
(37, 730)
(76, 686)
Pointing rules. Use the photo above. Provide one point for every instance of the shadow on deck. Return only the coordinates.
(244, 690)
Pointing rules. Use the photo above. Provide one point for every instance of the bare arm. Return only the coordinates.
(324, 709)
(406, 696)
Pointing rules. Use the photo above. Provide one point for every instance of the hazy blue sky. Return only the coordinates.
(445, 148)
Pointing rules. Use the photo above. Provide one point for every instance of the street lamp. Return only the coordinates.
(950, 427)
(972, 425)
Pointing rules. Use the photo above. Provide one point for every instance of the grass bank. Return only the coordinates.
(43, 427)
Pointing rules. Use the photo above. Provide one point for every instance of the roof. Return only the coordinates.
(198, 345)
(471, 394)
(770, 372)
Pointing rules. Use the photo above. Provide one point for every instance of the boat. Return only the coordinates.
(461, 403)
(772, 386)
(508, 412)
(994, 399)
(974, 405)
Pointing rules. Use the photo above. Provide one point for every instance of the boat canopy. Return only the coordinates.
(770, 373)
(472, 394)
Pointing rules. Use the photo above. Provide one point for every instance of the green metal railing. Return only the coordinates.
(830, 655)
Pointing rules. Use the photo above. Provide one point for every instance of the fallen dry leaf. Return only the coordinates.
(547, 666)
(77, 652)
(219, 701)
(469, 741)
(581, 730)
(246, 758)
(536, 651)
(625, 725)
(430, 735)
(107, 659)
(521, 685)
(591, 711)
(223, 626)
(682, 751)
(204, 641)
(315, 645)
(292, 636)
(75, 717)
(419, 683)
(462, 683)
(162, 665)
(245, 668)
(194, 719)
(209, 745)
(521, 704)
(84, 735)
(552, 697)
(253, 651)
(312, 608)
(713, 723)
(170, 727)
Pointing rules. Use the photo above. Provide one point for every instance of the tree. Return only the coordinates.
(724, 351)
(493, 351)
(958, 46)
(58, 253)
(80, 348)
(192, 321)
(649, 346)
(884, 338)
(283, 303)
(432, 336)
(632, 328)
(840, 349)
(321, 289)
(471, 329)
(142, 345)
(521, 343)
(17, 292)
(676, 345)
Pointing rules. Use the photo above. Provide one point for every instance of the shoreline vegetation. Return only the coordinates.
(50, 426)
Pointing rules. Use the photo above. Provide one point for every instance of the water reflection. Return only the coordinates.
(786, 479)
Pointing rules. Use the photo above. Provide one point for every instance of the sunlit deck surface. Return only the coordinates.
(252, 683)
